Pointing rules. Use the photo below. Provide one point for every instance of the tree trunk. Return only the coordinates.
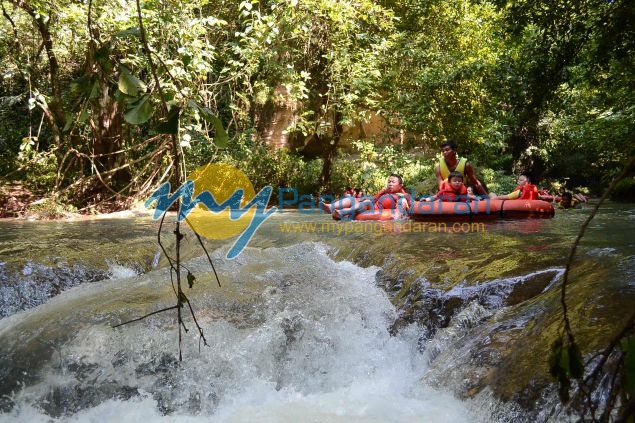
(330, 152)
(53, 110)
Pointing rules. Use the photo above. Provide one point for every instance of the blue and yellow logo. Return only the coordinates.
(218, 201)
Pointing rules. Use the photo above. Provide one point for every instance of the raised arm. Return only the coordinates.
(478, 187)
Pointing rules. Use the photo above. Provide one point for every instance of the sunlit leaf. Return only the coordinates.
(130, 32)
(220, 137)
(128, 83)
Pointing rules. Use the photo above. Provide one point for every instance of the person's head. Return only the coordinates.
(566, 200)
(448, 148)
(524, 178)
(394, 183)
(455, 179)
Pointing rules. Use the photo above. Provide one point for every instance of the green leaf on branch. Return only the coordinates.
(83, 85)
(576, 365)
(558, 367)
(554, 358)
(102, 57)
(140, 111)
(565, 364)
(83, 116)
(221, 138)
(128, 83)
(69, 121)
(130, 32)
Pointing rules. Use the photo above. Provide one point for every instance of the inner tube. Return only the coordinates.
(478, 210)
(371, 215)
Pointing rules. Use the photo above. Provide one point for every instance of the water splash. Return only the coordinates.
(308, 340)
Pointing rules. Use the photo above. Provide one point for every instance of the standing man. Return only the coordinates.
(451, 163)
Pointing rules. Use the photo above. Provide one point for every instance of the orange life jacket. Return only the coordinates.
(388, 200)
(447, 193)
(528, 192)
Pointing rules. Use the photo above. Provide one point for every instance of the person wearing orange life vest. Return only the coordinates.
(392, 198)
(451, 162)
(525, 190)
(453, 189)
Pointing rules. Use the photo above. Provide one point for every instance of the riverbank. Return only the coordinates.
(19, 202)
(14, 200)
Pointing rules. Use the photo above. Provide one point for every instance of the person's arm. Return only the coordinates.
(514, 195)
(433, 198)
(469, 171)
(437, 173)
(581, 198)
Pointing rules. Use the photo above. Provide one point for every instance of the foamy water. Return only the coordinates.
(311, 346)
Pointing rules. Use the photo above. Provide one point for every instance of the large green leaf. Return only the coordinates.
(139, 112)
(221, 138)
(130, 32)
(128, 83)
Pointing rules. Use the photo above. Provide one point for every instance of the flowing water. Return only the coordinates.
(308, 325)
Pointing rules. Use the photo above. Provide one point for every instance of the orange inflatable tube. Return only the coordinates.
(372, 215)
(485, 209)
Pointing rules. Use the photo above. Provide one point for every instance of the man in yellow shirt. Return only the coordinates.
(450, 162)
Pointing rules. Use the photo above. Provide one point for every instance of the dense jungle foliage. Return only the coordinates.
(101, 101)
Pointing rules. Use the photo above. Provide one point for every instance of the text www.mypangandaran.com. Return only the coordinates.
(378, 227)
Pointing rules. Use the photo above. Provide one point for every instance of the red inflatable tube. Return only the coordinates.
(479, 210)
(372, 215)
(485, 209)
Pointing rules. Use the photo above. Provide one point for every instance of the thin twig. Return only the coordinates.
(200, 241)
(147, 315)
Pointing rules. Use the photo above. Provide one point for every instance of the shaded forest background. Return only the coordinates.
(101, 101)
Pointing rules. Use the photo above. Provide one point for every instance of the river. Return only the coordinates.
(309, 325)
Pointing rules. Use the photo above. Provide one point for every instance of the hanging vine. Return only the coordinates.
(170, 126)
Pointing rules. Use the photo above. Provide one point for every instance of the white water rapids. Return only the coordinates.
(293, 337)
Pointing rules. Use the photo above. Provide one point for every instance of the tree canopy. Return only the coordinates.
(103, 99)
